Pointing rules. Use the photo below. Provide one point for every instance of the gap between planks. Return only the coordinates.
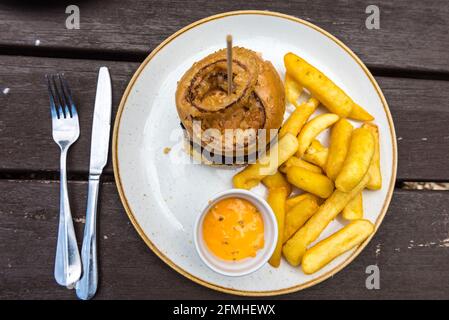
(112, 55)
(53, 176)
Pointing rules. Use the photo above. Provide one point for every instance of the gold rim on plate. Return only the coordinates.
(165, 258)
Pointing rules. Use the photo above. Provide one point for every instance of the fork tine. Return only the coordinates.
(68, 95)
(63, 97)
(57, 96)
(54, 112)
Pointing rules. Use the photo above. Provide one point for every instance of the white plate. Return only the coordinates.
(163, 196)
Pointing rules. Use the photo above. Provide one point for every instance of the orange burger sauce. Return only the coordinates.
(233, 229)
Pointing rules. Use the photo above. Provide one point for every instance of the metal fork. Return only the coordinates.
(65, 132)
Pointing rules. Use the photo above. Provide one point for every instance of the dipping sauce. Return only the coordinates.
(233, 229)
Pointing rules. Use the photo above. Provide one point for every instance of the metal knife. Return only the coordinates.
(87, 285)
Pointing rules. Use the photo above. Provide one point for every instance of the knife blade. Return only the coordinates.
(86, 287)
(102, 123)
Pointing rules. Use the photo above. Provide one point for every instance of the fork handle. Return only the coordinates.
(67, 262)
(87, 285)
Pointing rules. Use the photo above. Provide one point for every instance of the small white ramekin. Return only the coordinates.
(244, 266)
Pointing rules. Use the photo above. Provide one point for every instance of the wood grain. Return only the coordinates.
(410, 248)
(25, 123)
(420, 110)
(409, 49)
(412, 36)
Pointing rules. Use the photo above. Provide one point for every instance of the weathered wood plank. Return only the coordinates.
(420, 110)
(25, 123)
(412, 34)
(411, 249)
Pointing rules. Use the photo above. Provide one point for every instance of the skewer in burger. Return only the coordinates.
(225, 128)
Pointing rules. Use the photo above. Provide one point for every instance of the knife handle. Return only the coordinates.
(87, 285)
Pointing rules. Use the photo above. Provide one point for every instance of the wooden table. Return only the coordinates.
(408, 56)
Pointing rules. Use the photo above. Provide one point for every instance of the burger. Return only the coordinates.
(230, 127)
